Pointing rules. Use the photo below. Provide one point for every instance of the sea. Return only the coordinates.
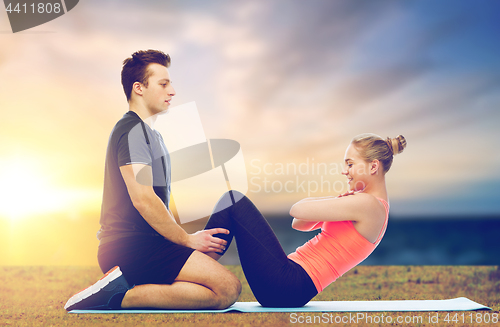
(407, 240)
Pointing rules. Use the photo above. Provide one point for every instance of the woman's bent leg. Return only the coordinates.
(274, 279)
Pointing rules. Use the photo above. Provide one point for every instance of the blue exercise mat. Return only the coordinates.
(458, 304)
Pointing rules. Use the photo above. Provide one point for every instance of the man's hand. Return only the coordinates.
(205, 242)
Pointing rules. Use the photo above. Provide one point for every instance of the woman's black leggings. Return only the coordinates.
(275, 280)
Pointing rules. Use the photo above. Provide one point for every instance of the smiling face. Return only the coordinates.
(159, 91)
(356, 169)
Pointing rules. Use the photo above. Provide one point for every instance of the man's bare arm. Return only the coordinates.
(138, 179)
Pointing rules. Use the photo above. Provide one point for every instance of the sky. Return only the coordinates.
(292, 81)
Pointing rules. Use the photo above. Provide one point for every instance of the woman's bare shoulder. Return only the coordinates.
(369, 206)
(365, 198)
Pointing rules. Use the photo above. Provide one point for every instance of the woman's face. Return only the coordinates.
(355, 169)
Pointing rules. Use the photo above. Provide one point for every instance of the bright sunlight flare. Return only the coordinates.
(26, 189)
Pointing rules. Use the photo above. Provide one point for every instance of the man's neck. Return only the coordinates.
(143, 113)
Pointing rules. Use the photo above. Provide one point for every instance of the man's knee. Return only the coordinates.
(228, 291)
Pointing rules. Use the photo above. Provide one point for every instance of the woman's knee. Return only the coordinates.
(237, 195)
(224, 202)
(228, 200)
(231, 197)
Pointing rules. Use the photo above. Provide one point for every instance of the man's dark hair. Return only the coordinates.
(135, 69)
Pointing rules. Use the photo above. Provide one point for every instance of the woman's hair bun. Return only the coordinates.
(397, 144)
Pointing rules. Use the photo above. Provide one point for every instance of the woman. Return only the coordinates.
(352, 226)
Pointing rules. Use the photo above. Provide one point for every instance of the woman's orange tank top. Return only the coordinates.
(338, 248)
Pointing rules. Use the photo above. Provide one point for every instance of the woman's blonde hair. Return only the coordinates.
(371, 146)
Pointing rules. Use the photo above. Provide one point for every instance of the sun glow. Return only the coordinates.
(44, 219)
(26, 190)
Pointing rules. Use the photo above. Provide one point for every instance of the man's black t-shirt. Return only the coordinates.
(131, 142)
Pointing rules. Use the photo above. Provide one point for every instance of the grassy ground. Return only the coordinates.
(35, 296)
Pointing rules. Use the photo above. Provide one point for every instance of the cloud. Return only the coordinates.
(288, 80)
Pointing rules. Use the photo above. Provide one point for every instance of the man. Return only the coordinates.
(139, 236)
